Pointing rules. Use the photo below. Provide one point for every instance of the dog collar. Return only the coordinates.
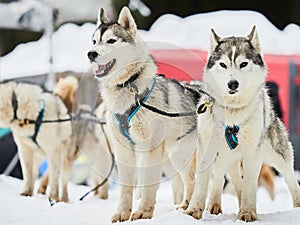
(231, 136)
(123, 120)
(130, 80)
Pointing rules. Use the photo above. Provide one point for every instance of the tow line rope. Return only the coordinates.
(111, 168)
(78, 116)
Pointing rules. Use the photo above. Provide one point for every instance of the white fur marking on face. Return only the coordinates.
(108, 34)
(97, 36)
(233, 54)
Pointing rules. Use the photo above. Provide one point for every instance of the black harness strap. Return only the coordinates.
(14, 102)
(164, 113)
(201, 109)
(188, 132)
(38, 124)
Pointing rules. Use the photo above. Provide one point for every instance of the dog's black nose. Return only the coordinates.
(92, 55)
(233, 85)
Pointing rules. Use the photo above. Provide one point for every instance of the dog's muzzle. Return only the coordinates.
(92, 55)
(233, 86)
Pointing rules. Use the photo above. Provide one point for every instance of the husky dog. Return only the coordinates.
(90, 138)
(143, 140)
(20, 101)
(266, 176)
(241, 131)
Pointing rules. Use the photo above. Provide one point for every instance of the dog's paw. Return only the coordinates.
(214, 209)
(64, 199)
(141, 215)
(43, 185)
(120, 216)
(247, 216)
(42, 190)
(26, 193)
(196, 213)
(183, 205)
(296, 204)
(54, 198)
(102, 194)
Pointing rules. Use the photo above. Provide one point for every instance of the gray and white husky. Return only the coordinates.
(241, 131)
(143, 141)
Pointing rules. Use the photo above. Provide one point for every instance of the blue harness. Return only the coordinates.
(231, 136)
(38, 121)
(123, 120)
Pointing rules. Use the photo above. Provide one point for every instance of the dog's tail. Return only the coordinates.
(65, 89)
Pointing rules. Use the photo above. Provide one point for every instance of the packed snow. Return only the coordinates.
(71, 42)
(19, 210)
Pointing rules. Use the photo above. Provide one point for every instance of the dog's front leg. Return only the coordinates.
(197, 204)
(125, 160)
(66, 171)
(214, 203)
(150, 166)
(38, 159)
(176, 181)
(54, 161)
(251, 167)
(236, 179)
(27, 161)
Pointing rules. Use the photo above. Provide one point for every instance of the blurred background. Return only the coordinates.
(280, 13)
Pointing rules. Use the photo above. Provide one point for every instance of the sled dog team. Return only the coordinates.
(233, 130)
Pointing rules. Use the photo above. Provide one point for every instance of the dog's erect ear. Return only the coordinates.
(101, 17)
(126, 21)
(214, 40)
(254, 40)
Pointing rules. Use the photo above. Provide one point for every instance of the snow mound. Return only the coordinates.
(193, 31)
(70, 46)
(71, 42)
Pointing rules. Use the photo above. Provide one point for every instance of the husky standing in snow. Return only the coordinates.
(20, 102)
(241, 131)
(144, 141)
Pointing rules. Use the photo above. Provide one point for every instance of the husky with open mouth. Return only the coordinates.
(144, 141)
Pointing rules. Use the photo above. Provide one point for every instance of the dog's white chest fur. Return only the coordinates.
(249, 119)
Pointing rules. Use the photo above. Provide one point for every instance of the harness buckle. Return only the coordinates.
(133, 90)
(203, 107)
(21, 122)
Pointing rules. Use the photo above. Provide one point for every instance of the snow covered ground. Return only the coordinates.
(19, 210)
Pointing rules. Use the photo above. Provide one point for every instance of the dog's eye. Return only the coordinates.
(223, 65)
(243, 64)
(94, 42)
(111, 41)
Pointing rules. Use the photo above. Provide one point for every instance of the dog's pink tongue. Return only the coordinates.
(100, 69)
